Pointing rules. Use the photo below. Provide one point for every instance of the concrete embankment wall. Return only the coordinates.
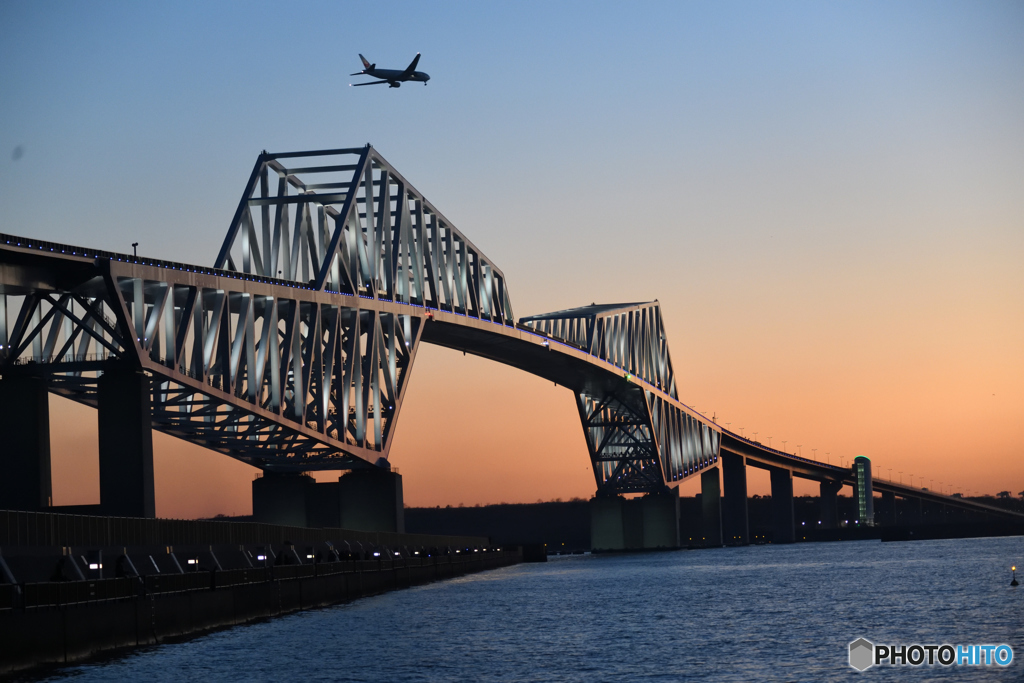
(40, 529)
(63, 622)
(73, 586)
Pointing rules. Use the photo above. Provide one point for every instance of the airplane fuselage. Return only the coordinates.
(397, 75)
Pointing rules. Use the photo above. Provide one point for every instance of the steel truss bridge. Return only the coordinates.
(293, 352)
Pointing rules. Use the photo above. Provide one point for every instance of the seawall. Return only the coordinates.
(73, 589)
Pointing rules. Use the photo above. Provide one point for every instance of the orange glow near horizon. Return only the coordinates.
(474, 432)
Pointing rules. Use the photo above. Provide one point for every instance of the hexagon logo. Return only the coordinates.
(862, 654)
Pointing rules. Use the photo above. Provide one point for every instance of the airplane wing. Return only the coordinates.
(412, 67)
(368, 83)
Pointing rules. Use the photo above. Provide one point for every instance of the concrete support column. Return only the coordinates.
(888, 508)
(735, 519)
(371, 500)
(829, 504)
(784, 520)
(660, 519)
(606, 524)
(280, 498)
(25, 452)
(126, 444)
(646, 523)
(912, 513)
(711, 507)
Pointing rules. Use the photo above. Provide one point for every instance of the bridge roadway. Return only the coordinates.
(307, 370)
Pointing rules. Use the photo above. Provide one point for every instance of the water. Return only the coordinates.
(740, 614)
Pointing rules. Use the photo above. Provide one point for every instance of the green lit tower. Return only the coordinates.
(863, 495)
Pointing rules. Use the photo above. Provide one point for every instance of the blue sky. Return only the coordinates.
(826, 197)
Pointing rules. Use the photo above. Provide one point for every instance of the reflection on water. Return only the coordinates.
(737, 614)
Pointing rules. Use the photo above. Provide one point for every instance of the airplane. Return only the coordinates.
(393, 77)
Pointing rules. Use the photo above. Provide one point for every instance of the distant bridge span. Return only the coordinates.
(293, 352)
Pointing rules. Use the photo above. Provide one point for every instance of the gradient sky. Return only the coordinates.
(826, 198)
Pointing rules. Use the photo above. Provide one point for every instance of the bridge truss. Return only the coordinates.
(640, 437)
(293, 353)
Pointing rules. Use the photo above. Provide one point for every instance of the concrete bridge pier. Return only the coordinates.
(711, 507)
(371, 500)
(783, 517)
(735, 518)
(607, 530)
(912, 512)
(646, 523)
(126, 444)
(25, 428)
(887, 509)
(280, 498)
(362, 500)
(829, 492)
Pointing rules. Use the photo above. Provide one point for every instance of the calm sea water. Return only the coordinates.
(742, 614)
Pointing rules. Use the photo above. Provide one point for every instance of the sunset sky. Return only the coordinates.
(826, 198)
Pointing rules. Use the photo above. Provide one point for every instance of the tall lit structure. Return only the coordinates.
(863, 494)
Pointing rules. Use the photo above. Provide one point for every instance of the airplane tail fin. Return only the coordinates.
(366, 64)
